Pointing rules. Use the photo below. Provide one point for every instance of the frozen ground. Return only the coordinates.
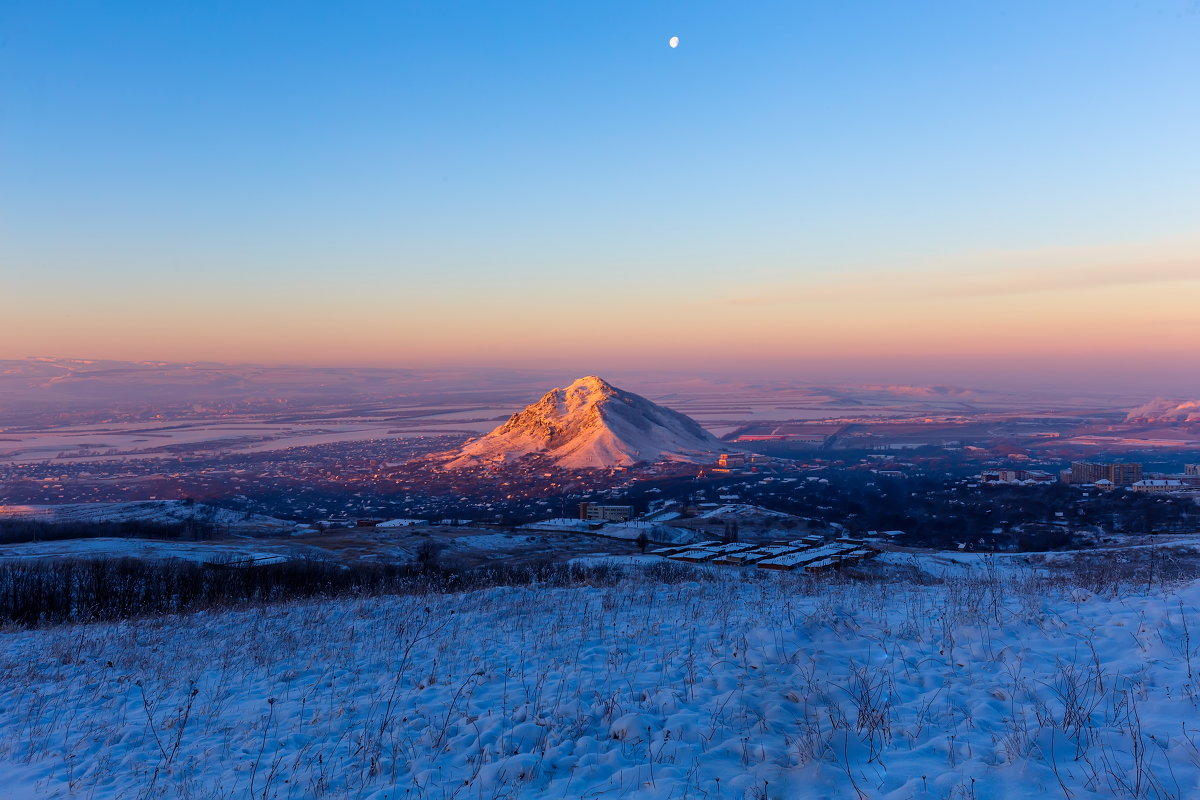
(108, 547)
(559, 524)
(741, 509)
(654, 531)
(663, 534)
(458, 547)
(165, 512)
(1179, 553)
(740, 685)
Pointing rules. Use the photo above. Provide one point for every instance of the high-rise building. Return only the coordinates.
(1117, 474)
(1192, 469)
(1125, 474)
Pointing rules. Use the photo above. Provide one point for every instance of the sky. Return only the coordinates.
(936, 190)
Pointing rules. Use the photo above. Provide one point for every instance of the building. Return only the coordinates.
(594, 512)
(1019, 476)
(1192, 469)
(728, 462)
(1118, 474)
(1158, 486)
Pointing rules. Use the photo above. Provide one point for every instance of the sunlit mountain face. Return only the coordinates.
(592, 423)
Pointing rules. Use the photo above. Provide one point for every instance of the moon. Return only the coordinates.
(674, 42)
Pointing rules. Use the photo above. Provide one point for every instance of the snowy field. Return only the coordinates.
(163, 512)
(112, 547)
(136, 441)
(739, 685)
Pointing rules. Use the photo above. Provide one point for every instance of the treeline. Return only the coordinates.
(76, 590)
(14, 531)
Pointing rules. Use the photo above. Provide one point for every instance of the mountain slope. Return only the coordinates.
(592, 423)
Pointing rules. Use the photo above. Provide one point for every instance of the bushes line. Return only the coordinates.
(76, 590)
(15, 531)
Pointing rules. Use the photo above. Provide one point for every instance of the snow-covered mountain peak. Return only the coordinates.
(592, 385)
(592, 423)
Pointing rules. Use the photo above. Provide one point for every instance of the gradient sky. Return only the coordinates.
(1011, 184)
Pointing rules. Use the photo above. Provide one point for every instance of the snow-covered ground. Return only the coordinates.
(664, 534)
(153, 549)
(631, 530)
(610, 560)
(164, 512)
(741, 509)
(493, 541)
(559, 524)
(739, 685)
(1176, 548)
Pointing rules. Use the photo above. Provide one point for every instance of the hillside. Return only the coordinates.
(163, 512)
(998, 684)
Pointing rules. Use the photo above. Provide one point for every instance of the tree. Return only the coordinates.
(427, 554)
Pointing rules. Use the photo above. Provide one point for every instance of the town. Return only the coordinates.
(930, 496)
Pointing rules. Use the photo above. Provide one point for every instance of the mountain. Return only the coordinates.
(592, 423)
